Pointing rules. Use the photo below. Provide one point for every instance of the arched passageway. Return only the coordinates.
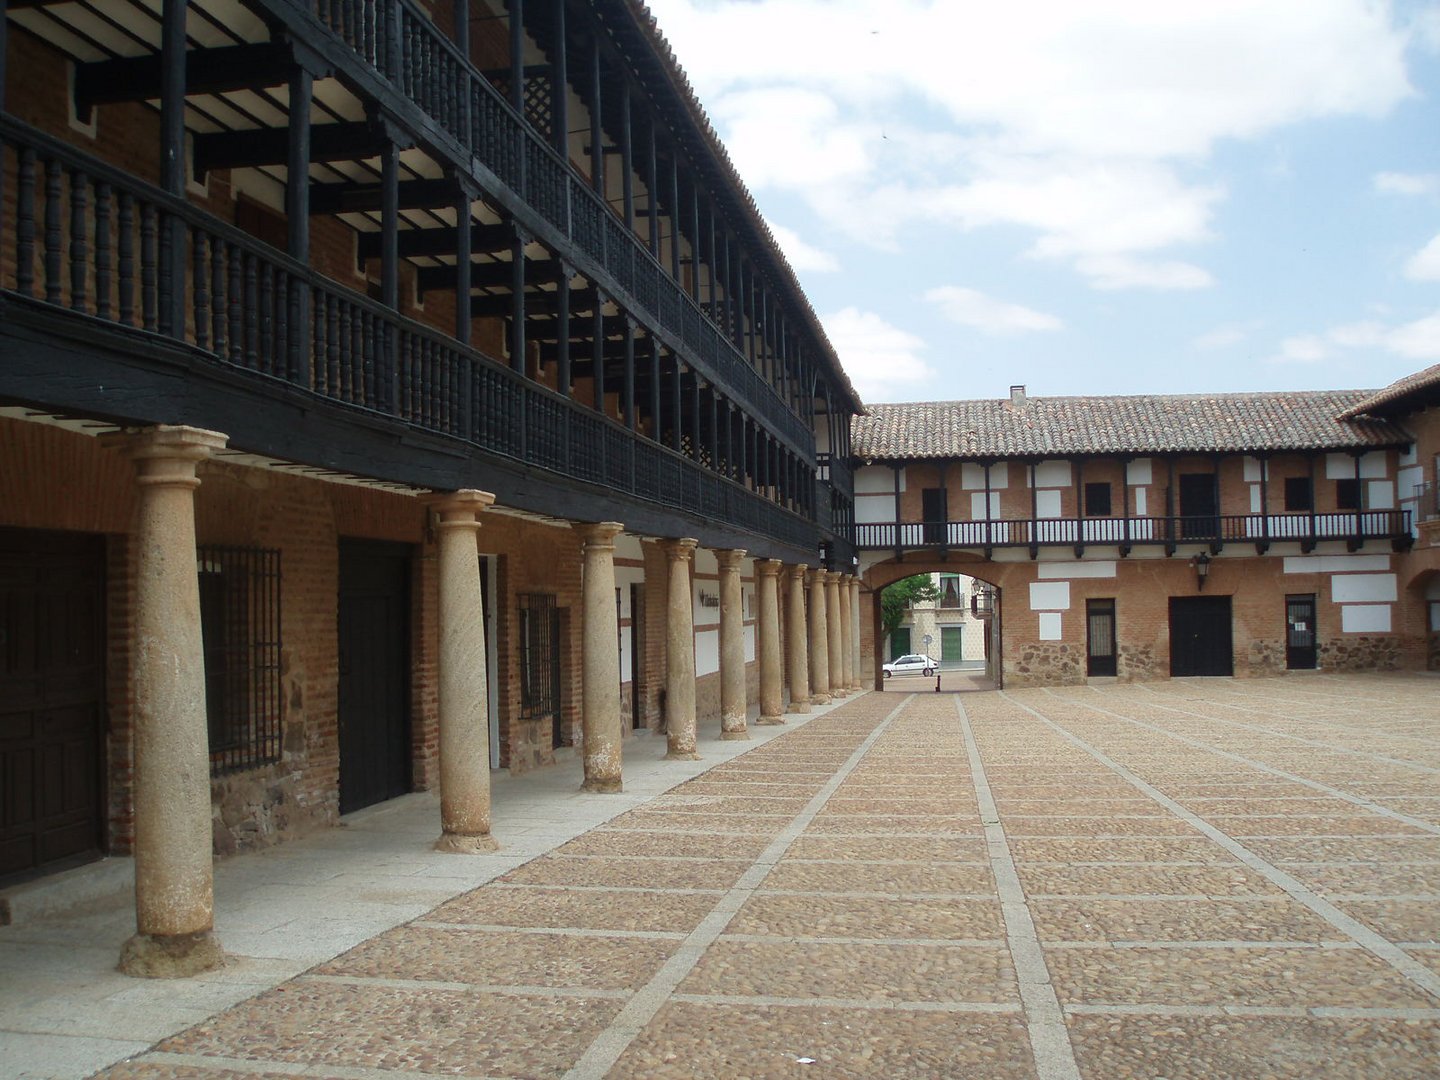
(933, 626)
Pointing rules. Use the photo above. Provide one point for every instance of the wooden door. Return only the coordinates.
(1300, 651)
(1198, 506)
(52, 700)
(1100, 638)
(933, 511)
(374, 640)
(1200, 636)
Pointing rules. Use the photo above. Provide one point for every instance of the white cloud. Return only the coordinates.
(1126, 272)
(1417, 340)
(882, 360)
(1083, 124)
(988, 315)
(1424, 265)
(802, 256)
(1394, 183)
(1223, 336)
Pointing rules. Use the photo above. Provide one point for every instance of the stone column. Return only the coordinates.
(847, 635)
(857, 681)
(600, 662)
(771, 694)
(464, 695)
(819, 641)
(833, 645)
(680, 654)
(732, 647)
(796, 653)
(174, 871)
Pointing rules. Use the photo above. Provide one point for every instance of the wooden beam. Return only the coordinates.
(355, 198)
(350, 141)
(416, 243)
(492, 275)
(207, 71)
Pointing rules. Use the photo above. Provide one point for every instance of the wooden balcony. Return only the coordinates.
(94, 255)
(1214, 531)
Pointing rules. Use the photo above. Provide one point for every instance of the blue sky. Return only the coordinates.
(1107, 197)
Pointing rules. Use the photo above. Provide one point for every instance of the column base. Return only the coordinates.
(456, 844)
(769, 721)
(603, 787)
(819, 699)
(171, 956)
(839, 692)
(799, 707)
(734, 736)
(681, 755)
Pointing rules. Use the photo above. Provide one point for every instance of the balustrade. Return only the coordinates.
(84, 239)
(431, 72)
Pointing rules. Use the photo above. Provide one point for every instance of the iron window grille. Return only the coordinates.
(240, 625)
(539, 634)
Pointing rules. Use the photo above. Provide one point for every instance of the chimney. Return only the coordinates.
(1017, 395)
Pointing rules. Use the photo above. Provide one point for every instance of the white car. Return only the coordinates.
(914, 664)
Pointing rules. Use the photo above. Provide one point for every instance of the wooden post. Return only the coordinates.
(597, 134)
(517, 55)
(463, 251)
(675, 213)
(598, 341)
(390, 223)
(627, 155)
(559, 97)
(297, 218)
(652, 184)
(517, 297)
(562, 320)
(628, 325)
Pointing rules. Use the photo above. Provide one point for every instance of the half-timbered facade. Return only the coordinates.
(289, 292)
(1141, 537)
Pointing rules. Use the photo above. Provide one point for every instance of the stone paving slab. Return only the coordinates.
(1083, 884)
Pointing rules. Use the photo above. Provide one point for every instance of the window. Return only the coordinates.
(1347, 494)
(1097, 499)
(539, 645)
(951, 593)
(240, 625)
(1299, 496)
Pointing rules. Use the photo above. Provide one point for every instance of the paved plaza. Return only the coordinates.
(1191, 879)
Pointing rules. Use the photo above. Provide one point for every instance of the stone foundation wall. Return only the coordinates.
(1047, 663)
(1361, 652)
(1263, 658)
(1138, 663)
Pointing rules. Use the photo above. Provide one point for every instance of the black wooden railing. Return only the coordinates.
(401, 43)
(837, 472)
(1125, 532)
(83, 236)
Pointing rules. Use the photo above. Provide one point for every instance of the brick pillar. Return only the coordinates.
(796, 653)
(771, 695)
(833, 644)
(600, 729)
(174, 871)
(732, 647)
(680, 654)
(464, 695)
(819, 641)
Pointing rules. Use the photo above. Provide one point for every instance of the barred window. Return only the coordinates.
(240, 623)
(539, 644)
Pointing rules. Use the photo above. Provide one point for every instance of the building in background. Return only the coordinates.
(956, 633)
(1155, 536)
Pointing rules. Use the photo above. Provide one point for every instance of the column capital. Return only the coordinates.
(599, 535)
(797, 572)
(462, 507)
(166, 453)
(730, 558)
(816, 576)
(768, 567)
(832, 577)
(680, 550)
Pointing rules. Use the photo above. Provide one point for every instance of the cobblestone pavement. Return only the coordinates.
(1192, 879)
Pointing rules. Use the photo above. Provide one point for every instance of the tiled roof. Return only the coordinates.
(1150, 424)
(1376, 404)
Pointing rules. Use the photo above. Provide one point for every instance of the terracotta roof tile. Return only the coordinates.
(1398, 391)
(1150, 424)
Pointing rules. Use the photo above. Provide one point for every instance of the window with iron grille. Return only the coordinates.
(539, 644)
(240, 624)
(951, 594)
